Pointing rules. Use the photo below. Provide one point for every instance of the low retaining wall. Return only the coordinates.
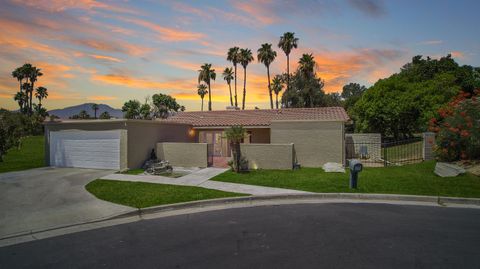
(183, 154)
(268, 156)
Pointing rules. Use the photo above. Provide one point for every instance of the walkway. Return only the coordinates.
(202, 178)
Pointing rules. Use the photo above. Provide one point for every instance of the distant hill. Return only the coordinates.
(67, 112)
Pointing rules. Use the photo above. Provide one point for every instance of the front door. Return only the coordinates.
(215, 138)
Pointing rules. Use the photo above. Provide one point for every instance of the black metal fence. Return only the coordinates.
(377, 154)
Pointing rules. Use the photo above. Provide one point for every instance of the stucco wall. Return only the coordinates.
(183, 154)
(143, 137)
(315, 142)
(372, 142)
(268, 156)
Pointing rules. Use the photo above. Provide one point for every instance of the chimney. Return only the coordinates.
(232, 108)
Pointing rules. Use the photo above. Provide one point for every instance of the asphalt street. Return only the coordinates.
(344, 235)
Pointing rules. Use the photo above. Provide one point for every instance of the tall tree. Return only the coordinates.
(288, 42)
(245, 58)
(206, 74)
(95, 109)
(306, 65)
(164, 105)
(202, 90)
(131, 109)
(228, 76)
(19, 74)
(145, 111)
(266, 55)
(20, 97)
(105, 115)
(351, 93)
(277, 86)
(41, 93)
(33, 73)
(233, 56)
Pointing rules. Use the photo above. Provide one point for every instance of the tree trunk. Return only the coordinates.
(95, 113)
(288, 72)
(202, 103)
(236, 103)
(269, 88)
(244, 87)
(276, 97)
(230, 89)
(209, 98)
(31, 95)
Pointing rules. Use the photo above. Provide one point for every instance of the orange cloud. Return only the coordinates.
(106, 58)
(141, 83)
(61, 5)
(101, 98)
(457, 54)
(258, 10)
(166, 33)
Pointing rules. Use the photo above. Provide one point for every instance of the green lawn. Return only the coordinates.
(140, 194)
(30, 155)
(415, 179)
(137, 171)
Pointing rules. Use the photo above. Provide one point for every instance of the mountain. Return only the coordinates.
(67, 112)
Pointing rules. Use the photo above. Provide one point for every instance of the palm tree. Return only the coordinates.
(277, 86)
(32, 73)
(95, 108)
(41, 93)
(202, 90)
(19, 74)
(245, 58)
(288, 42)
(206, 73)
(234, 136)
(233, 56)
(228, 76)
(266, 55)
(20, 97)
(306, 64)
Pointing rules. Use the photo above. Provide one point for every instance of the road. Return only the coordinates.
(343, 235)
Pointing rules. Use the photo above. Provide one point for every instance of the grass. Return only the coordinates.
(30, 155)
(413, 179)
(403, 152)
(137, 171)
(140, 194)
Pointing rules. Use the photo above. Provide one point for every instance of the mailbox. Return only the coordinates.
(355, 167)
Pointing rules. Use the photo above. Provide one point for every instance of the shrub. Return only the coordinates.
(457, 127)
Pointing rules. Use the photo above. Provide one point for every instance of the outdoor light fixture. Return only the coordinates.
(191, 132)
(355, 167)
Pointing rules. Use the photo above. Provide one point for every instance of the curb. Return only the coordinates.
(269, 200)
(307, 196)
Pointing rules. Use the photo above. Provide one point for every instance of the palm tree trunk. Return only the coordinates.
(276, 97)
(288, 72)
(236, 103)
(244, 87)
(269, 88)
(209, 98)
(31, 95)
(230, 89)
(202, 103)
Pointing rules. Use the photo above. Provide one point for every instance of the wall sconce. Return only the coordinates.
(191, 133)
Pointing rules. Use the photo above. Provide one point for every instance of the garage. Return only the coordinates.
(85, 149)
(116, 144)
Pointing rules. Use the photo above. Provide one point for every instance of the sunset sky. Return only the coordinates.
(112, 51)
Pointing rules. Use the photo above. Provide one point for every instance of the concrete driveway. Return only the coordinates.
(44, 198)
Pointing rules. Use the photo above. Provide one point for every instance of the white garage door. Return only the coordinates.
(85, 149)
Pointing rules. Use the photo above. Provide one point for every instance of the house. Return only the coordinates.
(275, 139)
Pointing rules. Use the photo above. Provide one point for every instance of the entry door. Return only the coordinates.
(85, 149)
(215, 138)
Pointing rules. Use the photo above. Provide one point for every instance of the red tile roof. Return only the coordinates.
(258, 117)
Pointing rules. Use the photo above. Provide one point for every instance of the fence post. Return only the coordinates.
(427, 148)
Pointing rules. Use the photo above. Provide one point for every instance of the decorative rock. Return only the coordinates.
(333, 168)
(448, 170)
(157, 167)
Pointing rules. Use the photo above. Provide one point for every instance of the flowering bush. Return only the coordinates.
(458, 128)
